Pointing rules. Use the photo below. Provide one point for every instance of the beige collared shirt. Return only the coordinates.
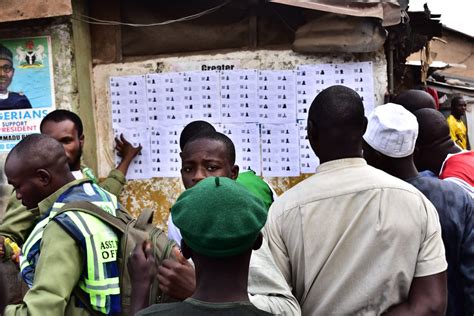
(350, 239)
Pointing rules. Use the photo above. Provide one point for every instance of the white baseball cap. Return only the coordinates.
(392, 130)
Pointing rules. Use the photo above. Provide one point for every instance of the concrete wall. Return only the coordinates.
(160, 193)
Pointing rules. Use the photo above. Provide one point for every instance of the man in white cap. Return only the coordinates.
(351, 239)
(389, 145)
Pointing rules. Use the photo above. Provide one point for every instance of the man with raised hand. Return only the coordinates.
(66, 127)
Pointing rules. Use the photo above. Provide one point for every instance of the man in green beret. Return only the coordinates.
(212, 154)
(220, 221)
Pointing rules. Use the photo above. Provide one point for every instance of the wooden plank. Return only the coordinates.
(106, 41)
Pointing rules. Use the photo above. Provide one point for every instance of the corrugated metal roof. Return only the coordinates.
(388, 10)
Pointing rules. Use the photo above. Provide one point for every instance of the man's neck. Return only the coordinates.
(75, 167)
(218, 284)
(332, 153)
(402, 168)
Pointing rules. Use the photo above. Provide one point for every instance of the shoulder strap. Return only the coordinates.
(81, 297)
(94, 210)
(145, 217)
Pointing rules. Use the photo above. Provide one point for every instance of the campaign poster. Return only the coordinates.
(26, 87)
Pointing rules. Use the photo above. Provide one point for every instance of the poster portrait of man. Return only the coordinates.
(26, 87)
(9, 100)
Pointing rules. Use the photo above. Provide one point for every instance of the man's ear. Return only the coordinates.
(311, 131)
(234, 172)
(81, 140)
(185, 250)
(364, 127)
(44, 177)
(416, 157)
(313, 135)
(258, 242)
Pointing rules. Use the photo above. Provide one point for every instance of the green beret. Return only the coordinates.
(219, 217)
(257, 186)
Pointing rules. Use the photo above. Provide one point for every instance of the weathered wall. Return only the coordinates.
(65, 82)
(458, 49)
(16, 10)
(160, 193)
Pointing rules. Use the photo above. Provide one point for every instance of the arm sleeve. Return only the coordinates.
(431, 257)
(452, 128)
(114, 182)
(57, 273)
(272, 232)
(173, 232)
(18, 221)
(268, 289)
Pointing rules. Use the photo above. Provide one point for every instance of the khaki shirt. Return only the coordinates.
(350, 239)
(57, 272)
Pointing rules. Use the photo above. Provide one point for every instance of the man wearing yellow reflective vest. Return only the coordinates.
(69, 255)
(66, 127)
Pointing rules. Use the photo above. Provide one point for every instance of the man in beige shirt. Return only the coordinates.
(351, 239)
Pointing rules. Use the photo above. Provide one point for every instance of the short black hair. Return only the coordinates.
(229, 145)
(64, 115)
(432, 127)
(39, 150)
(337, 106)
(413, 100)
(192, 129)
(456, 99)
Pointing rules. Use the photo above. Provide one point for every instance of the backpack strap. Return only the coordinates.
(145, 218)
(94, 210)
(82, 297)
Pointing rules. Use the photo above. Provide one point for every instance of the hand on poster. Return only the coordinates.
(128, 145)
(127, 151)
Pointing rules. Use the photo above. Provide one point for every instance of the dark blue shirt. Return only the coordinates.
(455, 208)
(15, 101)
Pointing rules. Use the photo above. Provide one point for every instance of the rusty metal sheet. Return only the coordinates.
(388, 10)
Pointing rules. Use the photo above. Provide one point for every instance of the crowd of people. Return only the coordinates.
(384, 226)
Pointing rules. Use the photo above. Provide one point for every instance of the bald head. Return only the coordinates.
(37, 167)
(336, 123)
(413, 100)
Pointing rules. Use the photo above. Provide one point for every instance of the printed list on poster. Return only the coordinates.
(263, 112)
